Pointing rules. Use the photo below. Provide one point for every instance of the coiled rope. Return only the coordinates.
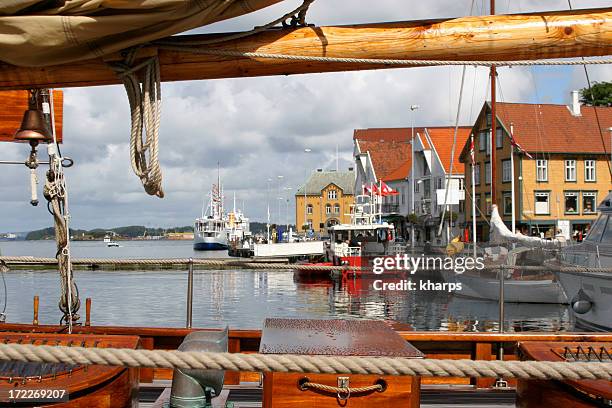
(394, 366)
(145, 111)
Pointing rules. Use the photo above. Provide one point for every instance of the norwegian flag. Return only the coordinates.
(472, 153)
(370, 189)
(515, 143)
(385, 190)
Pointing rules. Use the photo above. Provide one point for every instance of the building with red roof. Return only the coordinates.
(561, 169)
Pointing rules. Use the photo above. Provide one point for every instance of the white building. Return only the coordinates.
(385, 154)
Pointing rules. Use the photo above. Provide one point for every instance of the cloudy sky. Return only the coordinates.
(258, 128)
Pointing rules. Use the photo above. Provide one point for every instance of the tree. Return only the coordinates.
(600, 94)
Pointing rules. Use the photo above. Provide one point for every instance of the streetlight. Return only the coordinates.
(280, 180)
(268, 200)
(287, 189)
(413, 108)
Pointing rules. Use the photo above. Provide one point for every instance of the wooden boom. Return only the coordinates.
(501, 37)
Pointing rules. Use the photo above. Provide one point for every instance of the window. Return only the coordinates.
(570, 170)
(507, 203)
(327, 209)
(337, 209)
(403, 193)
(571, 203)
(416, 186)
(483, 141)
(439, 183)
(488, 203)
(589, 170)
(506, 171)
(488, 173)
(542, 203)
(331, 195)
(309, 209)
(541, 170)
(461, 184)
(309, 222)
(499, 138)
(477, 174)
(589, 202)
(489, 119)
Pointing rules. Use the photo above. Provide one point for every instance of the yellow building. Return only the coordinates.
(563, 181)
(324, 200)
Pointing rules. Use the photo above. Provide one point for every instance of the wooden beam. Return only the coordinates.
(501, 37)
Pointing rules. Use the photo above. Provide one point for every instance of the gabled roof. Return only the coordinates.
(389, 150)
(442, 139)
(553, 128)
(318, 180)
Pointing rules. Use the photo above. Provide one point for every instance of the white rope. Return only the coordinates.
(145, 109)
(377, 61)
(394, 366)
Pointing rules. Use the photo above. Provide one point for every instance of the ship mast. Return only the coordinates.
(493, 74)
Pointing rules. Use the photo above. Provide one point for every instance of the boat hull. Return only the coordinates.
(209, 246)
(515, 291)
(598, 287)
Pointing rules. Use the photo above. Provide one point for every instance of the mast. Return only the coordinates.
(493, 125)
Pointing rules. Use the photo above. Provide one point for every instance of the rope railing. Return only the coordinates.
(392, 366)
(31, 260)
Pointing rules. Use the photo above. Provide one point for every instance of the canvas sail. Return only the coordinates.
(43, 33)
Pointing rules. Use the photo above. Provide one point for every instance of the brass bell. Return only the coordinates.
(34, 128)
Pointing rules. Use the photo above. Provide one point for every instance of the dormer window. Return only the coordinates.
(332, 195)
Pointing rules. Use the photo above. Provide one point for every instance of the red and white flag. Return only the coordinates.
(385, 190)
(371, 188)
(472, 153)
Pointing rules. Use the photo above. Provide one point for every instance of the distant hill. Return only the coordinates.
(132, 231)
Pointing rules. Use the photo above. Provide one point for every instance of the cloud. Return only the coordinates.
(258, 128)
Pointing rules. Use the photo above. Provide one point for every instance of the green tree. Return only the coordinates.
(600, 94)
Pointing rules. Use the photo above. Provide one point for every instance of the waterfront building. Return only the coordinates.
(561, 173)
(385, 154)
(325, 199)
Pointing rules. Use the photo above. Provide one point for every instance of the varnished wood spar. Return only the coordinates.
(510, 37)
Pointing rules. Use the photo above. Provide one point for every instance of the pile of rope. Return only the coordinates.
(394, 366)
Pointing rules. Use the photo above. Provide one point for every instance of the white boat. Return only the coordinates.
(366, 235)
(237, 227)
(110, 243)
(209, 233)
(590, 292)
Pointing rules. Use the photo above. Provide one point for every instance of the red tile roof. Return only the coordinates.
(442, 139)
(390, 148)
(553, 129)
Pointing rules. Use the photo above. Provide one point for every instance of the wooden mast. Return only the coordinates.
(493, 125)
(500, 38)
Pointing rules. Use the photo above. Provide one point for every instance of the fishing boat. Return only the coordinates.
(85, 46)
(590, 292)
(210, 230)
(110, 242)
(366, 236)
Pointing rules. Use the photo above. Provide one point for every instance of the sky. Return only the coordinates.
(257, 128)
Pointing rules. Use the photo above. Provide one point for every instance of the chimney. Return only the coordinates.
(575, 108)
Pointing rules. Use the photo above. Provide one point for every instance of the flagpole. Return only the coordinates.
(512, 179)
(473, 194)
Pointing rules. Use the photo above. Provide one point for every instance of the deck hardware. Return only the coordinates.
(343, 382)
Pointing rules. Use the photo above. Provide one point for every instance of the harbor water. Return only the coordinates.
(244, 298)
